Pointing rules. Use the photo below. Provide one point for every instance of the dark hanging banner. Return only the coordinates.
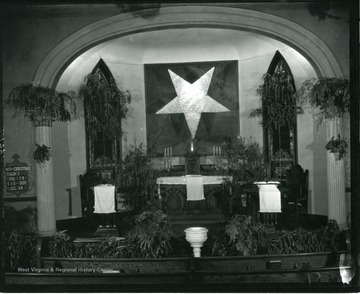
(171, 129)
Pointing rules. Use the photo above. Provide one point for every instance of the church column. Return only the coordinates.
(45, 183)
(335, 177)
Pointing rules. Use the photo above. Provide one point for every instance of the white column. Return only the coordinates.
(335, 177)
(45, 186)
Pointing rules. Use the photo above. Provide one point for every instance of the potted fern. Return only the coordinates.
(331, 97)
(337, 146)
(42, 105)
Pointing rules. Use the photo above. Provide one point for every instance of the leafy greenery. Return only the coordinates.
(244, 236)
(241, 235)
(338, 146)
(105, 105)
(138, 180)
(300, 240)
(245, 160)
(244, 163)
(41, 153)
(330, 95)
(20, 250)
(37, 102)
(278, 104)
(110, 247)
(61, 245)
(150, 235)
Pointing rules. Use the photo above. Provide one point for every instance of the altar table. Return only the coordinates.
(183, 194)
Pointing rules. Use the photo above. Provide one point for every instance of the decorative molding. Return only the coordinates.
(296, 36)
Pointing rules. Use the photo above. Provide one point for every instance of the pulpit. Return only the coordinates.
(105, 209)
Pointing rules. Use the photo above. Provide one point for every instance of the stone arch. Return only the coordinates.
(294, 35)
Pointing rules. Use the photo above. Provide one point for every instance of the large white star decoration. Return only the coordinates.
(192, 100)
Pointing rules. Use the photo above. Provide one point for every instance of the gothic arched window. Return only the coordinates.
(280, 143)
(103, 152)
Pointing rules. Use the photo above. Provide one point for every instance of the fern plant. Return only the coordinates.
(138, 180)
(150, 235)
(20, 250)
(241, 236)
(244, 160)
(42, 153)
(105, 105)
(331, 96)
(42, 104)
(278, 104)
(338, 146)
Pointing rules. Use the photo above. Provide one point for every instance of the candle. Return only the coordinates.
(192, 146)
(214, 150)
(164, 152)
(170, 151)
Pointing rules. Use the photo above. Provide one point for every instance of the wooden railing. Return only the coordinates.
(308, 269)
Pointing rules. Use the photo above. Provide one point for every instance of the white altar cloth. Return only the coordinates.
(194, 184)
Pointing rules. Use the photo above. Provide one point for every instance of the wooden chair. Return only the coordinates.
(297, 183)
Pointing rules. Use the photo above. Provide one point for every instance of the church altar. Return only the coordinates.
(193, 195)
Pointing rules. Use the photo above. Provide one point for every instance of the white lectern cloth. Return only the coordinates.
(269, 197)
(104, 201)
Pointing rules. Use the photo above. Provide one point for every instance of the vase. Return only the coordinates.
(196, 236)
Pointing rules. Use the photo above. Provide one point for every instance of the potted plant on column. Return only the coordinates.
(43, 106)
(331, 97)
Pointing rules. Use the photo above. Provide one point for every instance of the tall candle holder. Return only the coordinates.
(168, 158)
(216, 156)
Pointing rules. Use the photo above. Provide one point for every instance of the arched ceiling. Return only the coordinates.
(171, 45)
